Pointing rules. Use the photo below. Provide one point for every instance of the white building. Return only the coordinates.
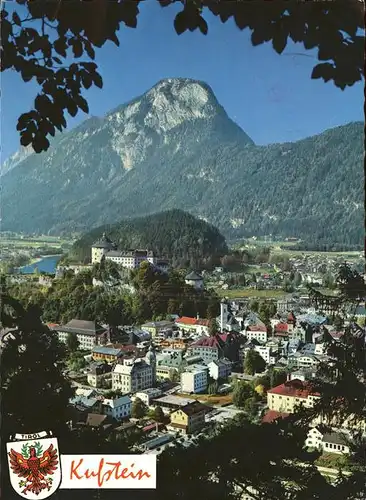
(132, 376)
(194, 279)
(220, 369)
(87, 332)
(148, 395)
(130, 259)
(257, 332)
(194, 380)
(266, 354)
(118, 408)
(333, 442)
(101, 247)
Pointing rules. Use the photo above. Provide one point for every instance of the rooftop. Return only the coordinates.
(185, 320)
(174, 400)
(193, 276)
(82, 327)
(272, 415)
(104, 242)
(109, 351)
(295, 388)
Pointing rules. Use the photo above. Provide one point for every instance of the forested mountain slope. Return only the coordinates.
(175, 147)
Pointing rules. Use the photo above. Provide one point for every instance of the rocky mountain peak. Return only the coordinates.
(168, 104)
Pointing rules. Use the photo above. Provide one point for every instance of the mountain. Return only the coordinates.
(175, 147)
(173, 234)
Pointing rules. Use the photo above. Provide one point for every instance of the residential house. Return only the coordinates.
(188, 419)
(194, 379)
(87, 332)
(100, 375)
(117, 408)
(336, 442)
(332, 442)
(220, 369)
(285, 397)
(314, 438)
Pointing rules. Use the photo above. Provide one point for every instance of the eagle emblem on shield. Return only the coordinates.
(34, 465)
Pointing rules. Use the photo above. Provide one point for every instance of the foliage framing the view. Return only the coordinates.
(39, 51)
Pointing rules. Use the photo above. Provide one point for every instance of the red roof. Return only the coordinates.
(281, 327)
(192, 321)
(291, 317)
(295, 388)
(212, 341)
(257, 328)
(272, 415)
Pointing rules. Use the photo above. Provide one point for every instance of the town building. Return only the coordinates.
(155, 327)
(148, 395)
(165, 372)
(258, 332)
(106, 353)
(100, 375)
(188, 419)
(195, 325)
(88, 333)
(220, 369)
(194, 379)
(223, 345)
(194, 279)
(328, 442)
(132, 375)
(150, 359)
(101, 248)
(118, 408)
(286, 397)
(129, 259)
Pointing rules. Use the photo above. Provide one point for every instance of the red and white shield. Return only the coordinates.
(34, 465)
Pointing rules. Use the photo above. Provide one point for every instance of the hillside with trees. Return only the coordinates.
(189, 155)
(176, 235)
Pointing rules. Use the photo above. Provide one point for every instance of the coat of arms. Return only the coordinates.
(34, 465)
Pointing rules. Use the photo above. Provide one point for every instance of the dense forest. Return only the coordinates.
(175, 235)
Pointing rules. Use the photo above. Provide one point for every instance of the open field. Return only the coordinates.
(251, 293)
(209, 399)
(297, 253)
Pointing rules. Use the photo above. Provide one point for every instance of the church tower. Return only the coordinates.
(150, 359)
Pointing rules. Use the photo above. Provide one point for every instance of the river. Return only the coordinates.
(47, 264)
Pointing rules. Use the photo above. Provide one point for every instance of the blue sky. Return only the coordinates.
(271, 97)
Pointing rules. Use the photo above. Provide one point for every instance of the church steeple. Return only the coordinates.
(150, 359)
